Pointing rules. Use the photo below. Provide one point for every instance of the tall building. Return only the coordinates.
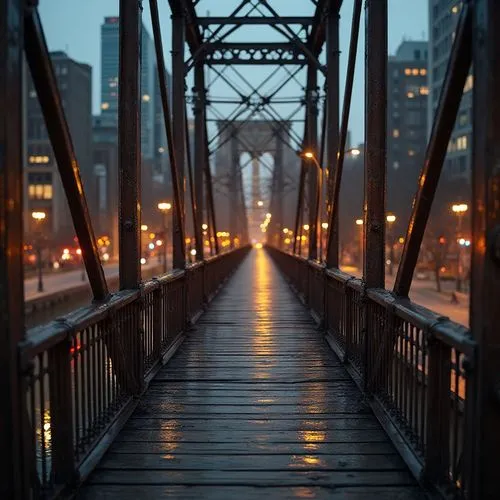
(406, 125)
(443, 18)
(148, 80)
(44, 188)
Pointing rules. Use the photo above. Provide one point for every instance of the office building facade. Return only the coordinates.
(44, 191)
(406, 125)
(443, 18)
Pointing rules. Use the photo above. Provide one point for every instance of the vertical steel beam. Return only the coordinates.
(375, 142)
(312, 145)
(37, 55)
(178, 117)
(12, 482)
(332, 115)
(233, 186)
(160, 60)
(332, 259)
(279, 188)
(444, 121)
(210, 192)
(485, 313)
(199, 151)
(129, 144)
(194, 202)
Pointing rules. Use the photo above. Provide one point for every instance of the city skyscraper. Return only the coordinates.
(443, 18)
(44, 188)
(109, 82)
(406, 124)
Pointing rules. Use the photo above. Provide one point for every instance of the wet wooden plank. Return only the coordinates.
(254, 403)
(152, 492)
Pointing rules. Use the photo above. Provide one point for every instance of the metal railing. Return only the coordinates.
(410, 362)
(82, 373)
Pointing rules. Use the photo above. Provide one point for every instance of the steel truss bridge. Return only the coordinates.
(212, 380)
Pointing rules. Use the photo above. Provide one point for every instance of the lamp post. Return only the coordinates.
(459, 209)
(359, 223)
(309, 155)
(391, 219)
(164, 207)
(39, 217)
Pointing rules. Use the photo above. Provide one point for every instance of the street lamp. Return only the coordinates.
(39, 217)
(164, 208)
(390, 221)
(459, 209)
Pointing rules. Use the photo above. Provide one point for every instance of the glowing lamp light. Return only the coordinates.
(285, 230)
(460, 208)
(268, 215)
(306, 227)
(391, 218)
(159, 243)
(193, 252)
(308, 154)
(204, 227)
(151, 246)
(324, 225)
(38, 215)
(78, 251)
(355, 152)
(359, 222)
(143, 261)
(164, 206)
(144, 227)
(105, 257)
(66, 251)
(260, 203)
(258, 245)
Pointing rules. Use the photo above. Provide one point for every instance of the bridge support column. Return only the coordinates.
(179, 139)
(375, 162)
(485, 279)
(332, 132)
(312, 145)
(233, 188)
(12, 479)
(279, 189)
(199, 153)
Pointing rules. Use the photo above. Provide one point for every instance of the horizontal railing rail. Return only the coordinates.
(412, 363)
(82, 373)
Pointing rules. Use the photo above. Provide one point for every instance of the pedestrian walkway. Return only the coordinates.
(253, 405)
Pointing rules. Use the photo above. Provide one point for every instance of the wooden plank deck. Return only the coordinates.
(253, 405)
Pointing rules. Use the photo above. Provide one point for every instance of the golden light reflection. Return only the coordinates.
(304, 492)
(312, 436)
(305, 460)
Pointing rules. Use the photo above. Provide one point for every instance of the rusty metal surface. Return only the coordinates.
(176, 153)
(485, 273)
(444, 121)
(12, 477)
(42, 73)
(375, 142)
(337, 140)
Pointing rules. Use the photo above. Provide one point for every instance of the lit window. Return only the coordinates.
(407, 71)
(105, 105)
(424, 90)
(414, 71)
(454, 9)
(47, 191)
(423, 72)
(462, 143)
(469, 83)
(146, 98)
(395, 133)
(411, 152)
(410, 95)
